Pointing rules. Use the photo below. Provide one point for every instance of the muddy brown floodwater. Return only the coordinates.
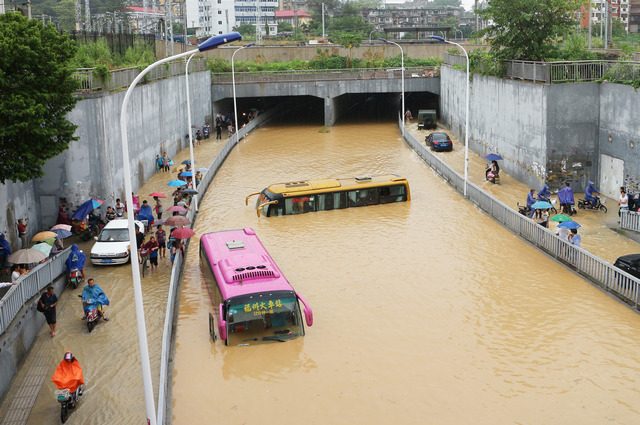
(425, 312)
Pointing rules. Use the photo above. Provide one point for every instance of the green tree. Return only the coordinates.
(526, 29)
(285, 26)
(246, 29)
(36, 93)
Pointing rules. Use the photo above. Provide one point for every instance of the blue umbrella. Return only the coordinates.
(176, 183)
(62, 233)
(85, 209)
(190, 191)
(569, 225)
(186, 161)
(541, 205)
(186, 174)
(493, 157)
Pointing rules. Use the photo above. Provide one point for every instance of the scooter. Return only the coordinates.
(68, 401)
(91, 313)
(568, 209)
(595, 205)
(75, 278)
(206, 131)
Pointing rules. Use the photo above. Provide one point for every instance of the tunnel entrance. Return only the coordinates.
(348, 108)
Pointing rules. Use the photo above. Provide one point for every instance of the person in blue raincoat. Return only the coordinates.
(591, 193)
(565, 196)
(544, 194)
(92, 293)
(5, 251)
(146, 213)
(76, 260)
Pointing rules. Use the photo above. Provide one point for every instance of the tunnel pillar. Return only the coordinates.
(329, 111)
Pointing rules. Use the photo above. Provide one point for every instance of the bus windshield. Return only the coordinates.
(263, 317)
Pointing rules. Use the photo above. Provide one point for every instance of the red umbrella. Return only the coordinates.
(183, 233)
(158, 195)
(177, 208)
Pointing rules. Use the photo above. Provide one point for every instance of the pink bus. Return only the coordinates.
(253, 301)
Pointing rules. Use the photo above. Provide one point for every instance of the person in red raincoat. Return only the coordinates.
(68, 374)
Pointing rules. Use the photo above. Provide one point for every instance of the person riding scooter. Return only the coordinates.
(92, 294)
(68, 376)
(544, 194)
(75, 260)
(591, 194)
(565, 196)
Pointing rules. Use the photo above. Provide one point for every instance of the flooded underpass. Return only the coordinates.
(425, 311)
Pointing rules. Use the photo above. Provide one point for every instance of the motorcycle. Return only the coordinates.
(206, 131)
(91, 313)
(592, 205)
(524, 210)
(75, 278)
(68, 401)
(568, 209)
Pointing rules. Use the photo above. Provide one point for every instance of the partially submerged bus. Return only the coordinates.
(253, 301)
(330, 194)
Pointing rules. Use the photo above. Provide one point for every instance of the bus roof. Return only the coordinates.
(241, 264)
(333, 185)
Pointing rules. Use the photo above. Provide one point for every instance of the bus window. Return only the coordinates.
(393, 194)
(362, 197)
(330, 201)
(295, 205)
(275, 210)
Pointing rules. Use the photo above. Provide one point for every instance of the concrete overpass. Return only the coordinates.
(329, 85)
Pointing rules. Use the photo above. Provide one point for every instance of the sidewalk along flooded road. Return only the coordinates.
(598, 229)
(425, 311)
(109, 355)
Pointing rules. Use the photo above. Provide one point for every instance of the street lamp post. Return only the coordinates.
(135, 271)
(402, 66)
(466, 119)
(233, 81)
(193, 162)
(371, 32)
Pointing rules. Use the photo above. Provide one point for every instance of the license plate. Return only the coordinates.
(107, 260)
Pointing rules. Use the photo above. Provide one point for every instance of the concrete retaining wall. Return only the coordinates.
(91, 165)
(546, 132)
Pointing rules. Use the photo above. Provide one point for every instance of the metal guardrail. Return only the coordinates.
(630, 220)
(30, 286)
(325, 75)
(90, 81)
(565, 71)
(176, 269)
(602, 273)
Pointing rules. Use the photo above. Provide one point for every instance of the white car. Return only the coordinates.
(112, 246)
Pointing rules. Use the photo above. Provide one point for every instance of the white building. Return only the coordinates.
(212, 17)
(617, 9)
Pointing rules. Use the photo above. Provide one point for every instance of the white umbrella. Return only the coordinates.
(26, 256)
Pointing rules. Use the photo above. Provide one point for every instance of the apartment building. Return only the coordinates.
(411, 15)
(212, 17)
(634, 16)
(617, 9)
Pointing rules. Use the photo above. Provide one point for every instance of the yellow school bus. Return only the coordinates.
(300, 197)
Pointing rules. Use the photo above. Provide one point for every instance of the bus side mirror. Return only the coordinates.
(222, 325)
(308, 313)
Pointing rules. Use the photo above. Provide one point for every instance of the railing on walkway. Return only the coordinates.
(605, 275)
(565, 71)
(630, 220)
(176, 269)
(325, 75)
(89, 80)
(30, 286)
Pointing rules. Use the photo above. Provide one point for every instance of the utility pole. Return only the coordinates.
(171, 24)
(258, 24)
(475, 9)
(589, 38)
(323, 21)
(87, 16)
(78, 14)
(606, 24)
(145, 6)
